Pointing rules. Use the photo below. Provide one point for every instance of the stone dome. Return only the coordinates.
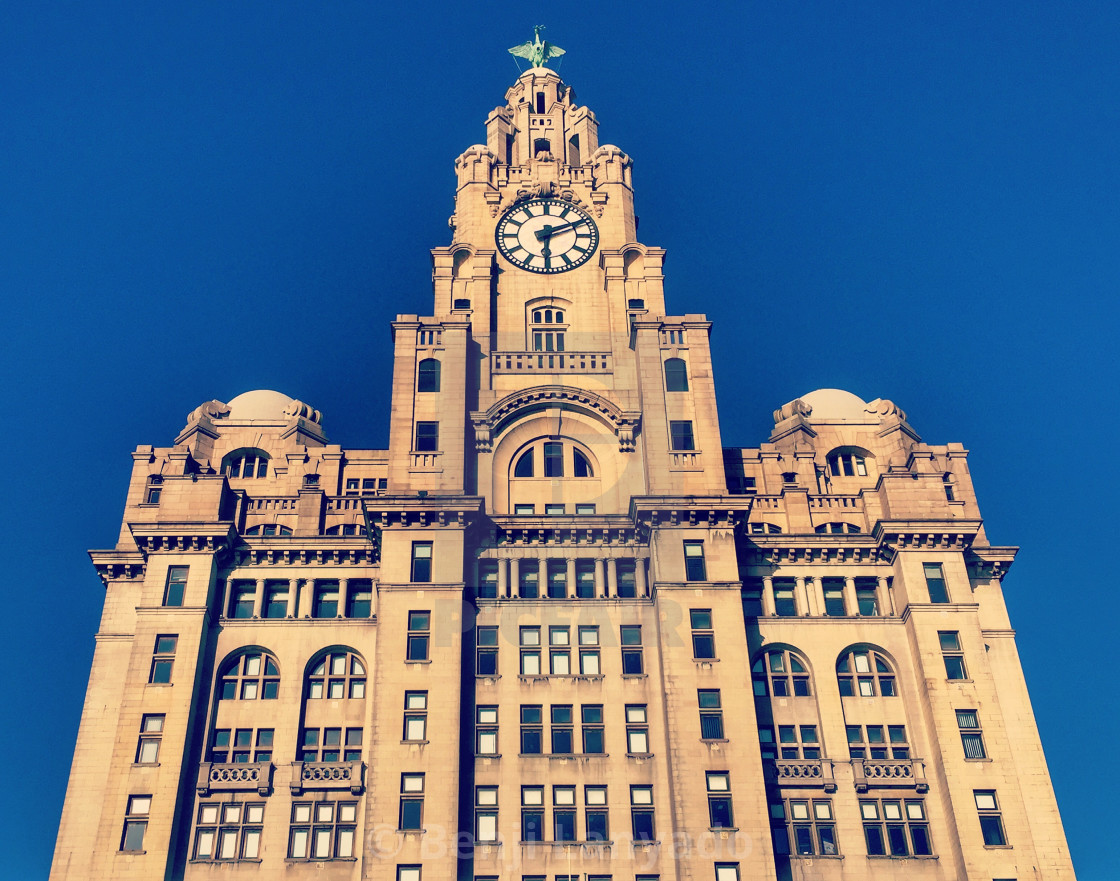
(834, 403)
(262, 404)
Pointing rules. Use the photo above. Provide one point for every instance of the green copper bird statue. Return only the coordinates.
(536, 50)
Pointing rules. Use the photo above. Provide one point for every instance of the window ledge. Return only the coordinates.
(960, 680)
(700, 662)
(158, 685)
(488, 677)
(156, 764)
(816, 856)
(303, 861)
(411, 661)
(131, 853)
(645, 843)
(999, 847)
(487, 755)
(634, 676)
(416, 742)
(577, 756)
(639, 755)
(981, 759)
(205, 862)
(887, 856)
(723, 828)
(714, 740)
(412, 831)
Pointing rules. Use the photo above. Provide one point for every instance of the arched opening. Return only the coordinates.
(428, 376)
(676, 375)
(245, 462)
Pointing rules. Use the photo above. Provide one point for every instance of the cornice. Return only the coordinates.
(601, 531)
(990, 562)
(115, 564)
(309, 550)
(394, 512)
(786, 548)
(209, 537)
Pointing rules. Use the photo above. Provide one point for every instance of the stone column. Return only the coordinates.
(542, 577)
(258, 600)
(503, 577)
(515, 577)
(851, 602)
(570, 579)
(885, 596)
(642, 586)
(768, 596)
(307, 588)
(600, 579)
(612, 577)
(802, 596)
(220, 597)
(343, 596)
(814, 587)
(293, 597)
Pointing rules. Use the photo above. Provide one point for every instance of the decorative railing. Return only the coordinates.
(550, 362)
(234, 777)
(425, 461)
(852, 503)
(345, 503)
(685, 461)
(881, 773)
(327, 775)
(272, 503)
(802, 772)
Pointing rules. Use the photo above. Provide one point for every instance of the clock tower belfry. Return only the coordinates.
(551, 318)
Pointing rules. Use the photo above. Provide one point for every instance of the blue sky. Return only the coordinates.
(915, 201)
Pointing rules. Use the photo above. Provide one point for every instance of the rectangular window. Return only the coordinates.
(241, 597)
(798, 742)
(523, 510)
(867, 596)
(486, 651)
(530, 639)
(991, 823)
(592, 718)
(554, 510)
(896, 828)
(641, 813)
(952, 653)
(163, 659)
(589, 651)
(720, 815)
(528, 579)
(595, 813)
(326, 600)
(564, 813)
(694, 568)
(486, 731)
(532, 813)
(136, 822)
(559, 651)
(326, 744)
(487, 580)
(637, 730)
(935, 581)
(151, 732)
(276, 599)
(553, 460)
(681, 433)
(557, 579)
(412, 802)
(833, 589)
(532, 731)
(228, 831)
(877, 744)
(415, 716)
(427, 437)
(626, 572)
(322, 830)
(421, 562)
(359, 600)
(804, 828)
(408, 873)
(419, 626)
(562, 730)
(486, 813)
(585, 579)
(727, 872)
(703, 636)
(584, 509)
(711, 714)
(176, 585)
(631, 638)
(785, 605)
(972, 738)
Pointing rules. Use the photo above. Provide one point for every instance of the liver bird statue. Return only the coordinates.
(536, 50)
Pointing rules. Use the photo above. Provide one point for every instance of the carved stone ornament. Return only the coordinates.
(794, 408)
(213, 409)
(300, 410)
(883, 408)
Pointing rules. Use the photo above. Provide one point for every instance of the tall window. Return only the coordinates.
(703, 637)
(951, 651)
(412, 802)
(532, 813)
(547, 328)
(641, 813)
(991, 823)
(637, 729)
(242, 596)
(419, 633)
(680, 432)
(797, 742)
(631, 637)
(557, 579)
(163, 659)
(564, 813)
(528, 579)
(530, 638)
(326, 600)
(833, 589)
(427, 437)
(559, 651)
(337, 676)
(486, 731)
(589, 651)
(427, 379)
(246, 463)
(241, 745)
(809, 823)
(785, 604)
(867, 596)
(486, 651)
(872, 742)
(595, 813)
(781, 673)
(562, 729)
(865, 673)
(176, 585)
(228, 831)
(331, 745)
(532, 730)
(972, 738)
(720, 815)
(895, 827)
(155, 490)
(136, 822)
(676, 375)
(592, 718)
(585, 579)
(276, 599)
(935, 581)
(486, 813)
(322, 830)
(359, 602)
(711, 714)
(694, 568)
(249, 677)
(151, 732)
(487, 580)
(553, 460)
(416, 716)
(421, 562)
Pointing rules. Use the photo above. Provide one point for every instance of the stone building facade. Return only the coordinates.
(558, 629)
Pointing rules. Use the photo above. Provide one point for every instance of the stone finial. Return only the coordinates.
(794, 408)
(882, 408)
(212, 409)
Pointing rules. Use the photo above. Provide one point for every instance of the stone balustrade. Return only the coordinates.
(234, 777)
(882, 773)
(802, 772)
(327, 775)
(550, 362)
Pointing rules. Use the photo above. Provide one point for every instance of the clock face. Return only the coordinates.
(547, 235)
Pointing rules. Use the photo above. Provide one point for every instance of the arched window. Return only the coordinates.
(864, 672)
(763, 529)
(676, 375)
(347, 529)
(246, 462)
(428, 379)
(524, 466)
(337, 675)
(269, 529)
(837, 528)
(155, 489)
(248, 677)
(848, 462)
(546, 329)
(581, 467)
(558, 460)
(780, 673)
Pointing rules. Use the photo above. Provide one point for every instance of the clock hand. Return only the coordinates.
(548, 231)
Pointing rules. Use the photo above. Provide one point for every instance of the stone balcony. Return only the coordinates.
(889, 773)
(327, 775)
(234, 777)
(550, 362)
(789, 773)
